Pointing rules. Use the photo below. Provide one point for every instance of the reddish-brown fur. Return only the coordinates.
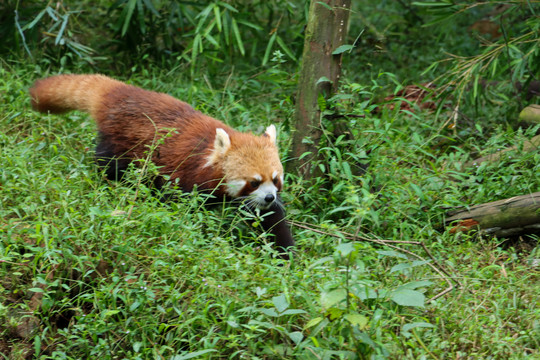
(133, 120)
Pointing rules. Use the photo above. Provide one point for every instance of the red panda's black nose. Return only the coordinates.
(269, 198)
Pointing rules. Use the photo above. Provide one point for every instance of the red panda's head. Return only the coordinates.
(250, 165)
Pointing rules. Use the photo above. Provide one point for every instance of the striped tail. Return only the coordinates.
(62, 93)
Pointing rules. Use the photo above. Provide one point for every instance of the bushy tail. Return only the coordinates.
(61, 93)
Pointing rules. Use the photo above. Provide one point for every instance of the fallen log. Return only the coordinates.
(518, 215)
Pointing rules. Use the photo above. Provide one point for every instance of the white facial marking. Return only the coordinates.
(257, 177)
(234, 187)
(259, 195)
(274, 174)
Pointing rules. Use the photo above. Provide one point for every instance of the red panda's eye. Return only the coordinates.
(255, 183)
(275, 180)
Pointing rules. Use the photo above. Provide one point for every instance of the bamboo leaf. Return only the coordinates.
(269, 48)
(227, 6)
(341, 49)
(203, 15)
(51, 13)
(62, 28)
(248, 24)
(195, 48)
(129, 13)
(226, 30)
(433, 4)
(313, 322)
(285, 48)
(34, 22)
(140, 13)
(193, 355)
(150, 6)
(217, 15)
(238, 37)
(325, 5)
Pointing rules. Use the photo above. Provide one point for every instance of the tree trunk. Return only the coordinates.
(503, 218)
(319, 76)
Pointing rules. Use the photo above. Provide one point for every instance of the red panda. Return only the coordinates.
(191, 149)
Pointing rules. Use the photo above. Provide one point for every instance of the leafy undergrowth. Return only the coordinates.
(92, 269)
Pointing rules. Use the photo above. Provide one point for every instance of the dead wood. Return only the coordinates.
(510, 217)
(528, 146)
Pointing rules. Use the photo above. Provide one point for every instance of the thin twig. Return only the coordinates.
(438, 268)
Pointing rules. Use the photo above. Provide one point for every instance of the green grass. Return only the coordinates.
(105, 270)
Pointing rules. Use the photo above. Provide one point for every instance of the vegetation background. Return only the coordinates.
(91, 269)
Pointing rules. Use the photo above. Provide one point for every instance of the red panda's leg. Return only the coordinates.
(113, 164)
(274, 222)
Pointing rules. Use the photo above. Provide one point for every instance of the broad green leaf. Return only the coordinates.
(233, 324)
(342, 49)
(345, 248)
(269, 312)
(332, 297)
(407, 297)
(134, 306)
(323, 79)
(260, 291)
(293, 312)
(193, 354)
(37, 345)
(347, 170)
(408, 265)
(296, 337)
(408, 327)
(321, 101)
(111, 312)
(391, 253)
(281, 303)
(356, 319)
(334, 313)
(313, 322)
(416, 284)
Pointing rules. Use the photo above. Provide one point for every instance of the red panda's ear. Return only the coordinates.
(222, 143)
(271, 133)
